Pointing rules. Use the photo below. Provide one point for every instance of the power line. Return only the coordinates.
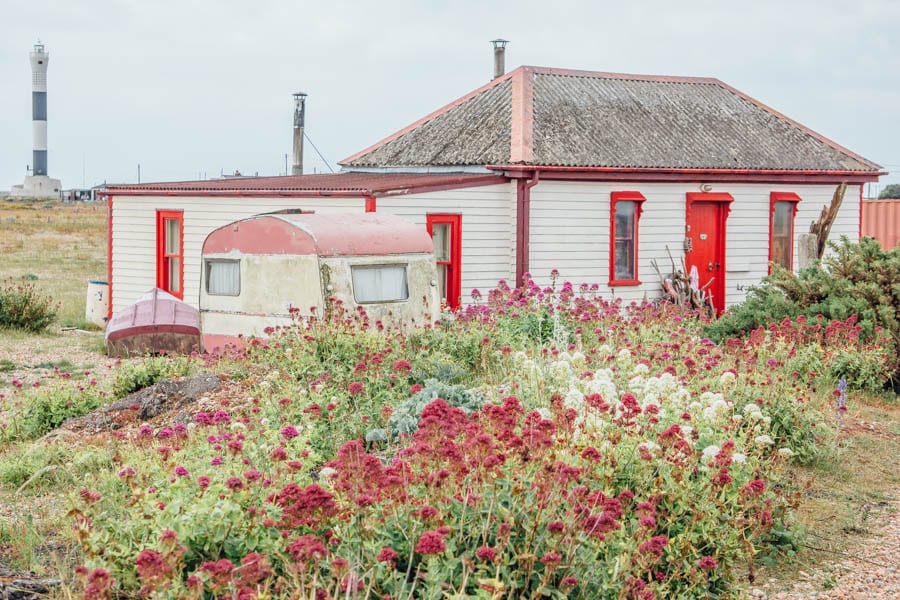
(317, 151)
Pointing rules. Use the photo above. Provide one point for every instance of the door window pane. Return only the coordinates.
(174, 274)
(379, 283)
(442, 271)
(440, 234)
(223, 277)
(173, 235)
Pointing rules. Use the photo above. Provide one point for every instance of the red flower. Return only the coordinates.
(355, 388)
(387, 555)
(708, 563)
(486, 553)
(431, 542)
(755, 487)
(551, 559)
(556, 527)
(307, 548)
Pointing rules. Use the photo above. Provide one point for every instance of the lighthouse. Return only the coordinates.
(38, 183)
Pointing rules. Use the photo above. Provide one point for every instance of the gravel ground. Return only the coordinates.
(26, 354)
(868, 571)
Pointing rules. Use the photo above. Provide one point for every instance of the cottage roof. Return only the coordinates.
(338, 184)
(567, 118)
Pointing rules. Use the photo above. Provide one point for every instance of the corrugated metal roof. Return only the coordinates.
(476, 132)
(355, 184)
(561, 117)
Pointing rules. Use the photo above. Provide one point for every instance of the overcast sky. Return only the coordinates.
(191, 88)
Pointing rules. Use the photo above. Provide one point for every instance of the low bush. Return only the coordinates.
(48, 407)
(859, 281)
(135, 376)
(22, 306)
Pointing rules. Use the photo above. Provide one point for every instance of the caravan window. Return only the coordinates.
(223, 277)
(379, 283)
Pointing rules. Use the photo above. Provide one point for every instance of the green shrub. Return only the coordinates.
(405, 419)
(48, 407)
(137, 376)
(860, 280)
(23, 307)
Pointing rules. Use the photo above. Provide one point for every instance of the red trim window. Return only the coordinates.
(624, 214)
(782, 210)
(446, 232)
(170, 252)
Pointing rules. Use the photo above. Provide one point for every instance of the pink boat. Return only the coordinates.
(157, 323)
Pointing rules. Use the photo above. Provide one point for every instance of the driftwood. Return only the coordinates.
(822, 227)
(678, 289)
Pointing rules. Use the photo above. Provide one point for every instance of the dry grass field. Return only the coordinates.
(58, 248)
(63, 246)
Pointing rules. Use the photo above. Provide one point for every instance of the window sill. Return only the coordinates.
(624, 282)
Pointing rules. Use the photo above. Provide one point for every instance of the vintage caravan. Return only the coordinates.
(269, 270)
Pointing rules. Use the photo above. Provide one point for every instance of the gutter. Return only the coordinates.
(523, 224)
(692, 175)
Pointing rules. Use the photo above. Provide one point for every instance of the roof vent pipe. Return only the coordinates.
(499, 57)
(299, 118)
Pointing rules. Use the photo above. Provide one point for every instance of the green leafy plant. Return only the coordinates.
(852, 280)
(135, 376)
(405, 418)
(22, 306)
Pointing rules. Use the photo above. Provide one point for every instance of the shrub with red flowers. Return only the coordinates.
(545, 442)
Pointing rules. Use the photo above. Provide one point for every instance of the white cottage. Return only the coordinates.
(593, 174)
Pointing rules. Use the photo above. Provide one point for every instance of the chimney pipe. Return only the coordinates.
(499, 57)
(299, 118)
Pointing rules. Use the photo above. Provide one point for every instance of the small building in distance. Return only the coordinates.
(881, 220)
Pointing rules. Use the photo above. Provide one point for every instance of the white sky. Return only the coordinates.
(187, 88)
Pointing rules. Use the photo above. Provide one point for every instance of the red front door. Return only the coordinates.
(705, 231)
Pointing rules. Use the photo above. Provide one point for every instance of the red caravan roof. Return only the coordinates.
(337, 234)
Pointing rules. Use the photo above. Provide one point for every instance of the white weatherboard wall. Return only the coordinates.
(134, 234)
(488, 229)
(570, 231)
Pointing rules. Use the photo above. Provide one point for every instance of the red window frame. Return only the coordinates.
(454, 264)
(163, 258)
(775, 198)
(638, 199)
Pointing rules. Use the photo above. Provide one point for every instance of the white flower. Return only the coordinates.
(649, 446)
(785, 452)
(727, 378)
(751, 407)
(764, 440)
(574, 399)
(737, 418)
(739, 458)
(766, 419)
(545, 413)
(695, 406)
(327, 473)
(710, 452)
(624, 354)
(641, 369)
(687, 430)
